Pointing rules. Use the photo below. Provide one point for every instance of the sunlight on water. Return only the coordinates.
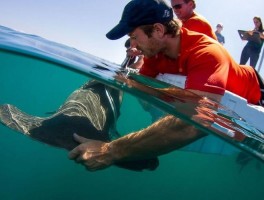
(33, 170)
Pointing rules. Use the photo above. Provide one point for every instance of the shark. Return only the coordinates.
(91, 111)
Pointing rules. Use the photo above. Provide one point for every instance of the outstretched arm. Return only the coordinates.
(163, 136)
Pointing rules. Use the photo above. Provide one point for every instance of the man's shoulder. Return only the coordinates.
(199, 24)
(198, 19)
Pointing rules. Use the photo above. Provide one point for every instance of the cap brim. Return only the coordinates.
(118, 31)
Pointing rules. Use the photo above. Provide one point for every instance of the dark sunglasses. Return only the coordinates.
(178, 6)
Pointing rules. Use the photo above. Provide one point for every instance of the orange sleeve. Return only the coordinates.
(149, 67)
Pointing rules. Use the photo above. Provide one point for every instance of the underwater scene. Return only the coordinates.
(30, 169)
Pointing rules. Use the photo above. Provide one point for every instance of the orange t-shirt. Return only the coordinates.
(199, 24)
(207, 66)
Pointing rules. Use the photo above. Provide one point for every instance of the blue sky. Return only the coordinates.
(83, 23)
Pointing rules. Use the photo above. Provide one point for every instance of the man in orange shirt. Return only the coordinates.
(184, 10)
(208, 68)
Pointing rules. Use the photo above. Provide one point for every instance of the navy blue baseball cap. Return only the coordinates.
(141, 12)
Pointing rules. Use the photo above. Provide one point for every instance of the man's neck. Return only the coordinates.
(192, 13)
(173, 47)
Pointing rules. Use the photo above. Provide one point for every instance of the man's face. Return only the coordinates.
(149, 46)
(219, 28)
(181, 9)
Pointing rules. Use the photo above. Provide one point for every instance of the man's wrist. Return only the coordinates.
(115, 151)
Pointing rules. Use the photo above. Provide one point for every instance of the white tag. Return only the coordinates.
(177, 80)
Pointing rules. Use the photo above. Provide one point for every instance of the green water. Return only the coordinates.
(30, 170)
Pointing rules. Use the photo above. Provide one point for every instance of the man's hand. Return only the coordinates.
(133, 52)
(91, 153)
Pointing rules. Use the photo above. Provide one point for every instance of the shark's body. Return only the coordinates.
(90, 111)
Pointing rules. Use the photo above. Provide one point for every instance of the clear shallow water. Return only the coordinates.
(32, 170)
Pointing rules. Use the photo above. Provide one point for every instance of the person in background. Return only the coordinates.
(220, 37)
(184, 10)
(253, 48)
(129, 60)
(209, 71)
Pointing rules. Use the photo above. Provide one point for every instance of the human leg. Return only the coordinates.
(244, 55)
(254, 58)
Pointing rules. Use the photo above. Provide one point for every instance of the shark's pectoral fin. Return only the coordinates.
(17, 120)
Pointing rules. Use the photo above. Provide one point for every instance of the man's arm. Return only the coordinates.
(163, 136)
(138, 64)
